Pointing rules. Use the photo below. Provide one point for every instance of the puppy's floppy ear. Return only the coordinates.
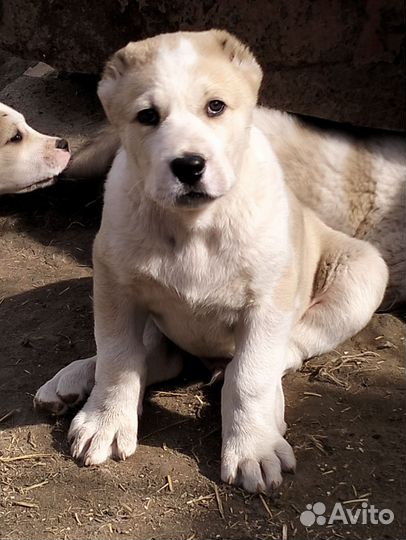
(241, 56)
(131, 56)
(113, 72)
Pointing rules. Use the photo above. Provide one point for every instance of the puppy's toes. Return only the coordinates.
(97, 433)
(286, 456)
(257, 468)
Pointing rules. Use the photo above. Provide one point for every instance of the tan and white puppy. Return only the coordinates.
(202, 242)
(28, 159)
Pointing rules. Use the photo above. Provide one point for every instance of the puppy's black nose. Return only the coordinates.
(189, 168)
(62, 144)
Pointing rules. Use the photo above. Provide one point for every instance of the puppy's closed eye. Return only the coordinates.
(18, 137)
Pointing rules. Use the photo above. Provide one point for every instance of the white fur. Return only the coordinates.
(30, 163)
(250, 276)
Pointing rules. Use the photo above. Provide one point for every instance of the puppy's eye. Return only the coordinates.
(215, 107)
(17, 137)
(148, 117)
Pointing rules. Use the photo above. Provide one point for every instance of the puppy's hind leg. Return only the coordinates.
(71, 385)
(164, 358)
(348, 287)
(68, 388)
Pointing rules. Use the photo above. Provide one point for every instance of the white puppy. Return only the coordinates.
(202, 241)
(28, 159)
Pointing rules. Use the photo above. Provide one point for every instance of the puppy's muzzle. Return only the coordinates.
(189, 168)
(62, 144)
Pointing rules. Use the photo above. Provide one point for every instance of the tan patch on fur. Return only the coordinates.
(328, 269)
(309, 163)
(219, 42)
(298, 152)
(296, 282)
(360, 187)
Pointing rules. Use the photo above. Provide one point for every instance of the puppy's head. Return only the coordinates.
(28, 159)
(183, 103)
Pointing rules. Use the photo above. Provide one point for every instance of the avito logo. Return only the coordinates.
(366, 514)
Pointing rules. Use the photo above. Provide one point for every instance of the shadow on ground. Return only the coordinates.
(347, 436)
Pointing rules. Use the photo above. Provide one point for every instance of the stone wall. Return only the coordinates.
(337, 59)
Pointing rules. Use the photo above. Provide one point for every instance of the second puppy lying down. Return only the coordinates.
(201, 241)
(28, 159)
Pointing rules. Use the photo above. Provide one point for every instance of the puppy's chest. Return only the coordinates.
(198, 276)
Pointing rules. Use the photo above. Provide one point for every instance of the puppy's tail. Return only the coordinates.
(94, 158)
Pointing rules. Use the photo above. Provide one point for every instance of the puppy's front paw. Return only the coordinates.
(256, 465)
(68, 388)
(103, 429)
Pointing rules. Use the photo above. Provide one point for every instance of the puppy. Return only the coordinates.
(28, 159)
(202, 242)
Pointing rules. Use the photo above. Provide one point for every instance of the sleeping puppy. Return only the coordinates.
(28, 159)
(203, 242)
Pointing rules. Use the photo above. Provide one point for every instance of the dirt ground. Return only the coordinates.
(345, 410)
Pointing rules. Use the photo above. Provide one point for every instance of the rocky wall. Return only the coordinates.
(337, 59)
